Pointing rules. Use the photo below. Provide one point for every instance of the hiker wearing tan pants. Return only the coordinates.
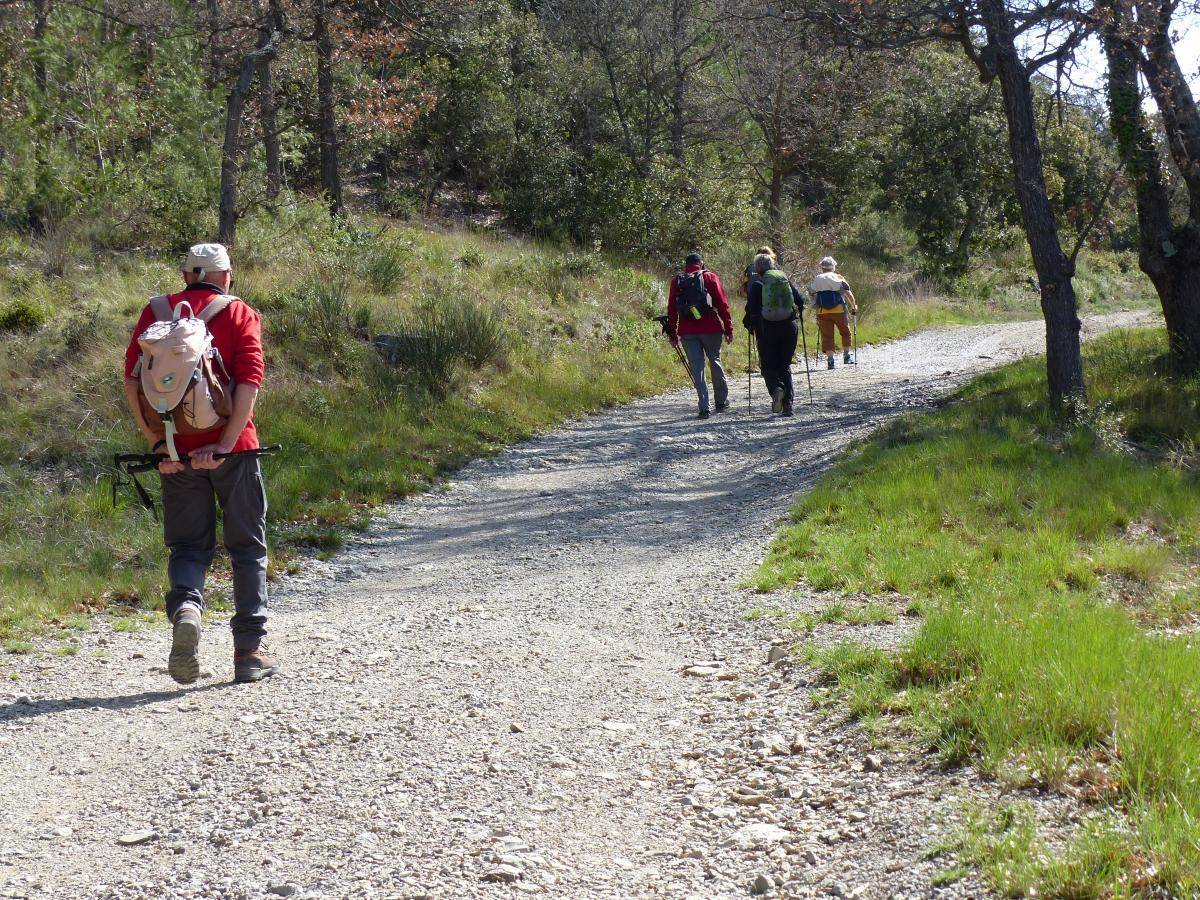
(833, 298)
(831, 324)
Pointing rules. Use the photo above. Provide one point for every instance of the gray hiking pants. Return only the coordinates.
(189, 501)
(698, 347)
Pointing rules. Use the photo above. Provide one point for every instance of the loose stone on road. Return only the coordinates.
(539, 680)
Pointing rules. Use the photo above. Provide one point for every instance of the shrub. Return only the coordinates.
(57, 247)
(386, 266)
(324, 315)
(22, 315)
(879, 236)
(77, 331)
(478, 333)
(633, 334)
(426, 356)
(472, 258)
(433, 348)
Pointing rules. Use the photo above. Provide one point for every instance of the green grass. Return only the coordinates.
(1044, 557)
(839, 613)
(1007, 846)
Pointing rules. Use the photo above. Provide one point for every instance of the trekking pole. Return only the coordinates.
(807, 368)
(132, 464)
(669, 332)
(854, 335)
(749, 368)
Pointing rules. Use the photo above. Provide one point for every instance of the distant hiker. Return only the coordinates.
(832, 296)
(192, 480)
(699, 314)
(749, 276)
(771, 313)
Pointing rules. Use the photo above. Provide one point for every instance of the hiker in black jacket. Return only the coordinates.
(772, 308)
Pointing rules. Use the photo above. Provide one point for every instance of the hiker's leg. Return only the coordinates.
(770, 357)
(695, 357)
(789, 334)
(190, 533)
(763, 348)
(712, 348)
(239, 485)
(844, 328)
(825, 323)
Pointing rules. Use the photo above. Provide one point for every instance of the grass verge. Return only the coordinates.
(1054, 565)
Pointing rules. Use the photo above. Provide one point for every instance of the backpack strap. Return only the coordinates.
(161, 307)
(215, 307)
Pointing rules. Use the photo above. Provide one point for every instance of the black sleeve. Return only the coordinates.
(754, 299)
(753, 316)
(797, 297)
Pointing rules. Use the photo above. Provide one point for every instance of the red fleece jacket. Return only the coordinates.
(237, 335)
(714, 321)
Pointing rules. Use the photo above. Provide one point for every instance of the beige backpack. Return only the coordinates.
(183, 379)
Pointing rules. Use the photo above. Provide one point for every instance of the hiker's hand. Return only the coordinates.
(674, 341)
(729, 338)
(170, 467)
(202, 457)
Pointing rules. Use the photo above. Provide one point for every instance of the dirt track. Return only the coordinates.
(487, 695)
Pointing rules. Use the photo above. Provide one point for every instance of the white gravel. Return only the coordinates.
(487, 694)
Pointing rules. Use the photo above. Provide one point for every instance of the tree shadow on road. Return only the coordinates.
(12, 712)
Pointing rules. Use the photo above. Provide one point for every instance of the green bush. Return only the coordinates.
(433, 348)
(325, 316)
(480, 335)
(472, 258)
(879, 236)
(22, 315)
(386, 266)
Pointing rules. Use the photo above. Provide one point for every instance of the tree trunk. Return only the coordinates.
(270, 129)
(962, 253)
(1170, 256)
(331, 179)
(227, 213)
(1177, 106)
(41, 18)
(1064, 362)
(619, 108)
(775, 200)
(680, 11)
(216, 53)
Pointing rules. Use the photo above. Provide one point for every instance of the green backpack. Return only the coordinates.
(777, 302)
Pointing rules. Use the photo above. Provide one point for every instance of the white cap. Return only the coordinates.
(207, 258)
(828, 264)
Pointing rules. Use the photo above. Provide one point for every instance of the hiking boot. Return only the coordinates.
(253, 664)
(846, 357)
(787, 410)
(831, 363)
(184, 662)
(777, 400)
(721, 407)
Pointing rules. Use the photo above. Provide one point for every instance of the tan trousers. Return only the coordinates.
(827, 322)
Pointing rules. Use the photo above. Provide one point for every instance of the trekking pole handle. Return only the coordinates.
(144, 462)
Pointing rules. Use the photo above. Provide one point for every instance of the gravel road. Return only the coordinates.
(539, 680)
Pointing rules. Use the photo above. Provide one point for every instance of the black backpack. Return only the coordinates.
(691, 294)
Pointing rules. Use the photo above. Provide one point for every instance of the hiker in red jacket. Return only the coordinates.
(699, 314)
(193, 485)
